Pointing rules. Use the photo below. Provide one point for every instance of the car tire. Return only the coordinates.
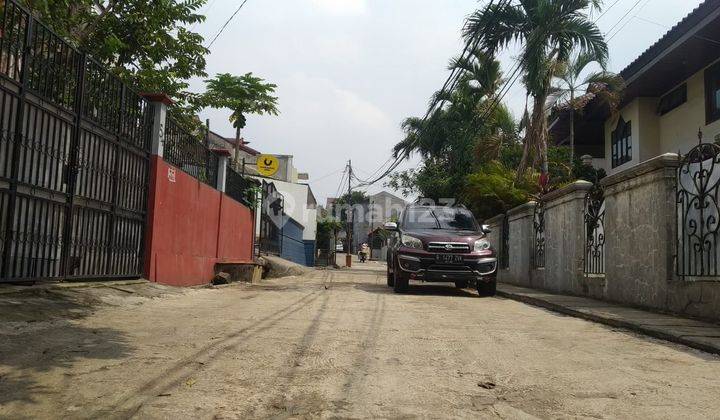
(390, 274)
(487, 288)
(461, 284)
(400, 283)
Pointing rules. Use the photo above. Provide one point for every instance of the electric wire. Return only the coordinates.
(668, 27)
(513, 78)
(629, 20)
(205, 12)
(619, 21)
(454, 76)
(507, 85)
(227, 22)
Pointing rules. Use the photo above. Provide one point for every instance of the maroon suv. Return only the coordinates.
(440, 244)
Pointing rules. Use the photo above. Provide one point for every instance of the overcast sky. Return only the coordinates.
(349, 71)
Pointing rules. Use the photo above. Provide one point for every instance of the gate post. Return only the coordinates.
(159, 103)
(222, 168)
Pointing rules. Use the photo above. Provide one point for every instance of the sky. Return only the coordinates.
(349, 71)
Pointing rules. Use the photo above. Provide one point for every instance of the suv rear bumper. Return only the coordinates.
(425, 268)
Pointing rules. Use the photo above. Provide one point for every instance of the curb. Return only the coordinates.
(610, 321)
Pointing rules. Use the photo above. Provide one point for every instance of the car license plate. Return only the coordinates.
(449, 259)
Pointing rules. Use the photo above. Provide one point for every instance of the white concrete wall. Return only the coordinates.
(296, 206)
(654, 135)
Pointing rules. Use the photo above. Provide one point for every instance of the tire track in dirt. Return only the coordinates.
(279, 400)
(129, 405)
(368, 344)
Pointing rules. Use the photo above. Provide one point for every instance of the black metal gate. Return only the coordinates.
(240, 188)
(73, 160)
(594, 219)
(698, 214)
(272, 217)
(539, 230)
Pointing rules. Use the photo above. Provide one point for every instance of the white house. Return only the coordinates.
(672, 92)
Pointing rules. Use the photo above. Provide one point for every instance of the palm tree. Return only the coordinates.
(548, 30)
(602, 85)
(459, 115)
(243, 95)
(460, 126)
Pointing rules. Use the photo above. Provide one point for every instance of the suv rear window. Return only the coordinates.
(451, 218)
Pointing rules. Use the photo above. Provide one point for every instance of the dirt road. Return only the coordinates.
(339, 344)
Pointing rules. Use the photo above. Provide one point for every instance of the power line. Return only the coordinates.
(454, 76)
(205, 12)
(227, 22)
(606, 10)
(668, 27)
(622, 18)
(328, 175)
(628, 21)
(506, 90)
(342, 183)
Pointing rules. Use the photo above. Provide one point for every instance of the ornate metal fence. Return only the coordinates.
(594, 217)
(240, 188)
(505, 243)
(188, 152)
(74, 143)
(698, 214)
(539, 229)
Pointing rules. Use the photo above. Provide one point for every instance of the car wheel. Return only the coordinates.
(400, 282)
(487, 288)
(390, 274)
(461, 284)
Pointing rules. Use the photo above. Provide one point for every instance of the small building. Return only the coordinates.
(380, 208)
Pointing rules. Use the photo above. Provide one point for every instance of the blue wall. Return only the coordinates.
(309, 253)
(293, 246)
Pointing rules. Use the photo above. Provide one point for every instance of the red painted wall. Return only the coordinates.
(191, 226)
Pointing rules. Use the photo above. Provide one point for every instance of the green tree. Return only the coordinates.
(603, 85)
(146, 42)
(548, 31)
(464, 130)
(243, 95)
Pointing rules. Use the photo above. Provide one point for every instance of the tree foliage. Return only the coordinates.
(548, 32)
(145, 42)
(572, 77)
(246, 94)
(466, 129)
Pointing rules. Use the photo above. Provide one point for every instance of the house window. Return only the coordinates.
(673, 99)
(712, 93)
(621, 143)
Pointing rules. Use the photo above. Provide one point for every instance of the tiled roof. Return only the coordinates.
(672, 35)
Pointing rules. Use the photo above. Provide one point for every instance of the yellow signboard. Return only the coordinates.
(267, 165)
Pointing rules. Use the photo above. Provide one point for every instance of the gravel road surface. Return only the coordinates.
(336, 344)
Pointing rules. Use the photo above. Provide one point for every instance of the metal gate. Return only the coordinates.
(73, 160)
(594, 218)
(272, 218)
(698, 214)
(539, 229)
(505, 243)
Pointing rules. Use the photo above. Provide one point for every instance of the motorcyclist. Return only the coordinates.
(363, 253)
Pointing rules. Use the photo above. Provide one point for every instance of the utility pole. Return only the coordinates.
(349, 217)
